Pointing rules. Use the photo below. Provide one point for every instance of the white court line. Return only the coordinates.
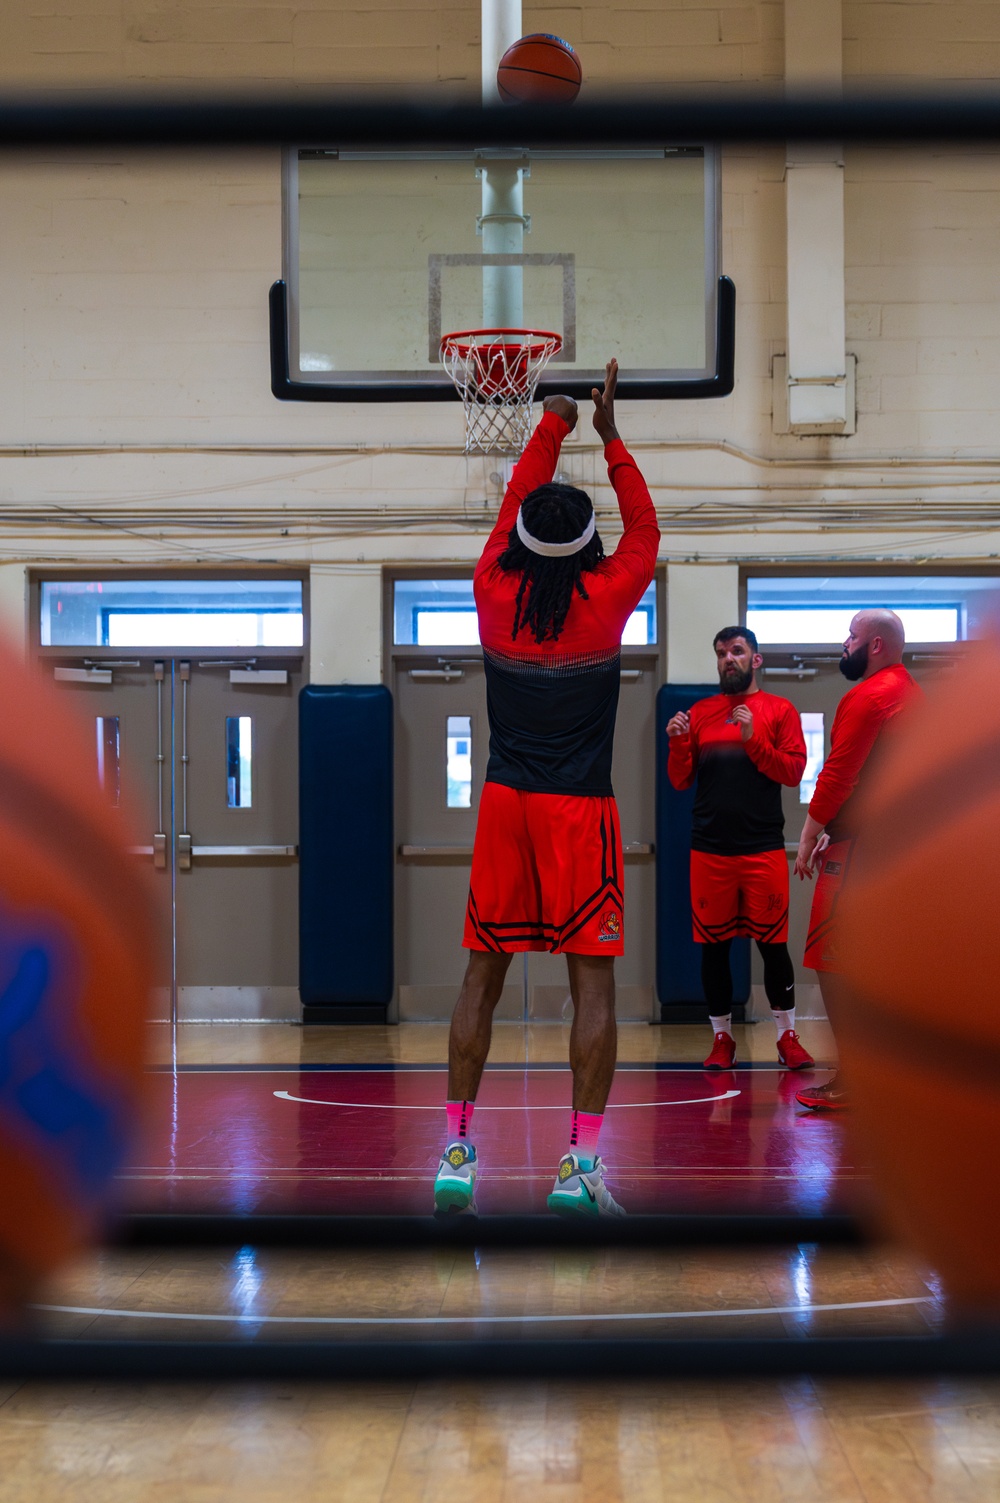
(464, 1320)
(392, 1106)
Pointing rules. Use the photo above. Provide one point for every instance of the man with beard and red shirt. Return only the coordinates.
(742, 745)
(873, 662)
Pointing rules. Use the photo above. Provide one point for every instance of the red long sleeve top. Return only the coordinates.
(737, 806)
(552, 705)
(864, 713)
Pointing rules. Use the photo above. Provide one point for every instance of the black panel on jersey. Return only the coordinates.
(737, 810)
(552, 722)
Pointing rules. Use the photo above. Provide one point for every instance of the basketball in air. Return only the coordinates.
(539, 69)
(919, 1032)
(77, 942)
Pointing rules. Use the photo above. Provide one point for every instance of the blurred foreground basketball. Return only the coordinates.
(76, 943)
(539, 69)
(919, 1034)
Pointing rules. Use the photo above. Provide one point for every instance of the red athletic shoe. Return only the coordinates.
(723, 1055)
(829, 1097)
(791, 1052)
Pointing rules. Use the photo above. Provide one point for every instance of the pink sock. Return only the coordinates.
(584, 1133)
(459, 1119)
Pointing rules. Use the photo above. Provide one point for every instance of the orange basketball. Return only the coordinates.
(76, 950)
(919, 1033)
(539, 69)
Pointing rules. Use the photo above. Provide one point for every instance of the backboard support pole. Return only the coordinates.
(503, 221)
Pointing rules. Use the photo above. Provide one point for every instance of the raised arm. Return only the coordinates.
(536, 467)
(634, 560)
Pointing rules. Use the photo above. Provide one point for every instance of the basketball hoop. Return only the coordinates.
(495, 372)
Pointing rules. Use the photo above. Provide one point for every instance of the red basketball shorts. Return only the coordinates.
(735, 895)
(546, 874)
(821, 940)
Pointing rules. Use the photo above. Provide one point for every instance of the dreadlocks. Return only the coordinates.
(553, 514)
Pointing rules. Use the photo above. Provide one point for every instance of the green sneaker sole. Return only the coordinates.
(450, 1197)
(570, 1205)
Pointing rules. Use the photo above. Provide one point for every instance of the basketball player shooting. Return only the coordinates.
(547, 860)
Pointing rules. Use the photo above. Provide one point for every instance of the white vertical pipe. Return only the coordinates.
(501, 25)
(814, 202)
(503, 186)
(503, 234)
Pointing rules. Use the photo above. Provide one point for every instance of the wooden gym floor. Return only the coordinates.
(568, 1442)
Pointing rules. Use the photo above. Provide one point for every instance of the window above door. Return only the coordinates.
(442, 613)
(195, 613)
(816, 610)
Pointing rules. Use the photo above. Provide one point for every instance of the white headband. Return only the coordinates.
(555, 550)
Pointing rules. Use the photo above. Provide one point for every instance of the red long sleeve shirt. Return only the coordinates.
(864, 713)
(552, 704)
(737, 806)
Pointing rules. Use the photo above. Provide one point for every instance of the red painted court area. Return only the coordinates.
(367, 1140)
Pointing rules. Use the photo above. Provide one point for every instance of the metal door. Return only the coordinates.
(434, 841)
(225, 858)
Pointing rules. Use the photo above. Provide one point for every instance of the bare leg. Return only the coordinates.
(593, 1040)
(472, 1022)
(833, 992)
(831, 1095)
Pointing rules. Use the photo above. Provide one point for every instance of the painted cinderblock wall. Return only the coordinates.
(136, 421)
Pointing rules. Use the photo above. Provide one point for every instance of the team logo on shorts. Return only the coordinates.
(832, 868)
(611, 926)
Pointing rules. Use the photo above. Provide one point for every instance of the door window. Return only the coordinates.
(239, 760)
(813, 733)
(109, 757)
(459, 762)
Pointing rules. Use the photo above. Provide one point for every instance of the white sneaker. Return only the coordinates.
(582, 1192)
(455, 1186)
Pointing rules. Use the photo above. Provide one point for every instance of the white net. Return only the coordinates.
(495, 372)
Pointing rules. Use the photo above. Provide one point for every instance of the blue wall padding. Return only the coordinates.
(678, 958)
(345, 845)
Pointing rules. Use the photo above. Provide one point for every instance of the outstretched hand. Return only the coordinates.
(604, 404)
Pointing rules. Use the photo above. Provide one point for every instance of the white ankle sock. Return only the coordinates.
(783, 1020)
(723, 1025)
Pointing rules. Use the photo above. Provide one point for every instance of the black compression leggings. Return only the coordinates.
(717, 978)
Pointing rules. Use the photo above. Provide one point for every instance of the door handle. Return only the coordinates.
(221, 852)
(243, 852)
(435, 850)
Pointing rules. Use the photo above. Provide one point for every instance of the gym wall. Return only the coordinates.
(133, 312)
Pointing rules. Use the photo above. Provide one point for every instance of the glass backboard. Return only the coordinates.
(616, 251)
